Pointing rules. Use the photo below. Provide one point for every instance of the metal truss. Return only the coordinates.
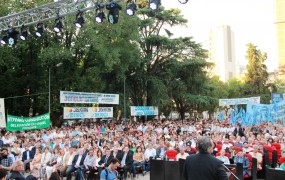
(49, 12)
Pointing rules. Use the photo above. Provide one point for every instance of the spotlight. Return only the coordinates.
(183, 1)
(58, 25)
(40, 29)
(100, 17)
(131, 9)
(12, 36)
(114, 9)
(79, 20)
(24, 33)
(4, 40)
(153, 5)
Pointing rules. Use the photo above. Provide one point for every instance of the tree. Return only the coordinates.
(165, 59)
(257, 77)
(234, 88)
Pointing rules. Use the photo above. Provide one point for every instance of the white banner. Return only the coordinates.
(227, 102)
(87, 112)
(144, 111)
(88, 98)
(2, 113)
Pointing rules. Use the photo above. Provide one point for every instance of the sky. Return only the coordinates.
(252, 21)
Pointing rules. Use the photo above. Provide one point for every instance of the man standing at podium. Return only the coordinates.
(203, 166)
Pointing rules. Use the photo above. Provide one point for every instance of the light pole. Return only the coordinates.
(59, 64)
(133, 73)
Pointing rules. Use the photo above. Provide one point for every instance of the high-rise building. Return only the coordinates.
(222, 52)
(280, 26)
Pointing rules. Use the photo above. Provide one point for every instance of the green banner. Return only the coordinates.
(16, 123)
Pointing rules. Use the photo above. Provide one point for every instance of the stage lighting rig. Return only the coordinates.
(100, 15)
(24, 33)
(114, 12)
(40, 29)
(58, 25)
(4, 39)
(80, 20)
(154, 4)
(13, 35)
(131, 8)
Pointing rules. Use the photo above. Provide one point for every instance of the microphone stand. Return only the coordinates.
(231, 172)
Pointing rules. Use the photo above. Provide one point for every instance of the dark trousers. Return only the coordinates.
(92, 174)
(127, 168)
(135, 164)
(69, 171)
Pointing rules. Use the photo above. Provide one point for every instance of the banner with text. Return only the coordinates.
(228, 102)
(17, 123)
(87, 112)
(277, 97)
(2, 113)
(144, 111)
(88, 98)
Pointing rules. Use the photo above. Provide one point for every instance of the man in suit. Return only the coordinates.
(239, 131)
(116, 153)
(160, 151)
(104, 160)
(127, 161)
(203, 165)
(245, 161)
(76, 163)
(27, 156)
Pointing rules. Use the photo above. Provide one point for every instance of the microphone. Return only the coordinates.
(231, 172)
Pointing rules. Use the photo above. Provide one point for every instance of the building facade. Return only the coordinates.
(222, 52)
(280, 26)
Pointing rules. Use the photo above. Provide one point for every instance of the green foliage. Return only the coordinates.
(169, 72)
(257, 76)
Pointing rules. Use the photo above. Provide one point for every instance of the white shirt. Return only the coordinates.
(69, 162)
(226, 146)
(180, 156)
(225, 159)
(150, 153)
(78, 161)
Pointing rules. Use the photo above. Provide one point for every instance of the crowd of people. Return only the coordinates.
(121, 149)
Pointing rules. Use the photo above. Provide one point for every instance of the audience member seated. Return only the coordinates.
(240, 158)
(182, 154)
(238, 142)
(160, 151)
(226, 144)
(223, 158)
(27, 155)
(257, 155)
(67, 160)
(37, 160)
(104, 160)
(138, 159)
(150, 152)
(246, 148)
(127, 161)
(87, 164)
(76, 163)
(17, 170)
(189, 150)
(171, 153)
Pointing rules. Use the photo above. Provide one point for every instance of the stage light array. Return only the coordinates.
(11, 35)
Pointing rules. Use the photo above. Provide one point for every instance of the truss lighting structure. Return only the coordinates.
(48, 12)
(62, 8)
